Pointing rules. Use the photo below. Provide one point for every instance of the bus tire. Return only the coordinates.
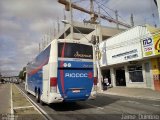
(28, 93)
(37, 97)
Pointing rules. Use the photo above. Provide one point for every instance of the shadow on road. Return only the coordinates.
(70, 106)
(100, 101)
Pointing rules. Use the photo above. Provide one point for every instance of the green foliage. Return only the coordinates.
(22, 74)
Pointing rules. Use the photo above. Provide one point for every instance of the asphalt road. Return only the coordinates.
(104, 107)
(5, 98)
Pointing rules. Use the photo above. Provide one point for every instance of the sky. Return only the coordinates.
(24, 23)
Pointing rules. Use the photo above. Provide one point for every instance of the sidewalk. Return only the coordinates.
(141, 93)
(5, 98)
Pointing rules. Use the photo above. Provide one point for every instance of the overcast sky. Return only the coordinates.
(23, 24)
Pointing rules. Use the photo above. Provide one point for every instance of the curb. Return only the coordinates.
(138, 97)
(44, 114)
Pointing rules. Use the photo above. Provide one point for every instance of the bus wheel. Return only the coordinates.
(37, 97)
(28, 93)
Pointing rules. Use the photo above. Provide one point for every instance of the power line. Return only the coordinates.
(102, 4)
(103, 9)
(78, 1)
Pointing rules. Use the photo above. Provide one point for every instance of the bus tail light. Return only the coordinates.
(53, 84)
(95, 80)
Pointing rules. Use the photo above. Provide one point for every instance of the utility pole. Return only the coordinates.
(132, 21)
(50, 35)
(64, 24)
(97, 45)
(39, 47)
(71, 17)
(54, 32)
(92, 11)
(58, 25)
(0, 76)
(98, 39)
(42, 44)
(116, 14)
(157, 2)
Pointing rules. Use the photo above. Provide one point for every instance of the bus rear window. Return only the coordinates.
(74, 50)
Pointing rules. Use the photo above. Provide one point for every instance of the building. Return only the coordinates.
(132, 58)
(86, 29)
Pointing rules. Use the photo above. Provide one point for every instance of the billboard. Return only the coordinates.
(151, 43)
(156, 39)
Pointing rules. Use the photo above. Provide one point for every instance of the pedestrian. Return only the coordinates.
(106, 83)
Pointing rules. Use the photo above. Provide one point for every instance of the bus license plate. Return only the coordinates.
(75, 91)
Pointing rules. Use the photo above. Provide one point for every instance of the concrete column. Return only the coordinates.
(99, 78)
(112, 74)
(144, 75)
(151, 74)
(100, 32)
(126, 75)
(71, 17)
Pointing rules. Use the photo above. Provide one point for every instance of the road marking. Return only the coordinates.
(23, 107)
(44, 114)
(155, 105)
(95, 106)
(12, 112)
(128, 101)
(134, 102)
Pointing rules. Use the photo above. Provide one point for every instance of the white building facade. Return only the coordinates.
(132, 58)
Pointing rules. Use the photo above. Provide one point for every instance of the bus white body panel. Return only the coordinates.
(45, 76)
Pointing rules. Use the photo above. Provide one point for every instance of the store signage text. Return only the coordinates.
(127, 55)
(147, 42)
(148, 46)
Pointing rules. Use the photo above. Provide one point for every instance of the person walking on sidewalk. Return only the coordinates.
(105, 83)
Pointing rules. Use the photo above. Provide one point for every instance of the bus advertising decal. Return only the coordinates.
(74, 64)
(79, 75)
(38, 68)
(90, 75)
(62, 71)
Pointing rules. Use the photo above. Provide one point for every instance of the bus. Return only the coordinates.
(64, 71)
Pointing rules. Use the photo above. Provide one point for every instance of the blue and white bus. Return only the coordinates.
(64, 71)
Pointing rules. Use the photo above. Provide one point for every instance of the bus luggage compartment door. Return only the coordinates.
(75, 84)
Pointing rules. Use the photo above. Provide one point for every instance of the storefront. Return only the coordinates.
(131, 58)
(151, 51)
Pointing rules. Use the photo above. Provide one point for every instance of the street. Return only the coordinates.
(5, 97)
(104, 107)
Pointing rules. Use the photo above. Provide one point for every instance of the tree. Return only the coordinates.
(22, 74)
(0, 76)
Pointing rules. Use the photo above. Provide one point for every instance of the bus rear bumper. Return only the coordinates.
(55, 98)
(92, 95)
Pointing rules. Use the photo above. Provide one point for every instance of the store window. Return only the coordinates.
(135, 73)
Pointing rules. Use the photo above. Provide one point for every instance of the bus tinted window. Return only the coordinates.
(74, 50)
